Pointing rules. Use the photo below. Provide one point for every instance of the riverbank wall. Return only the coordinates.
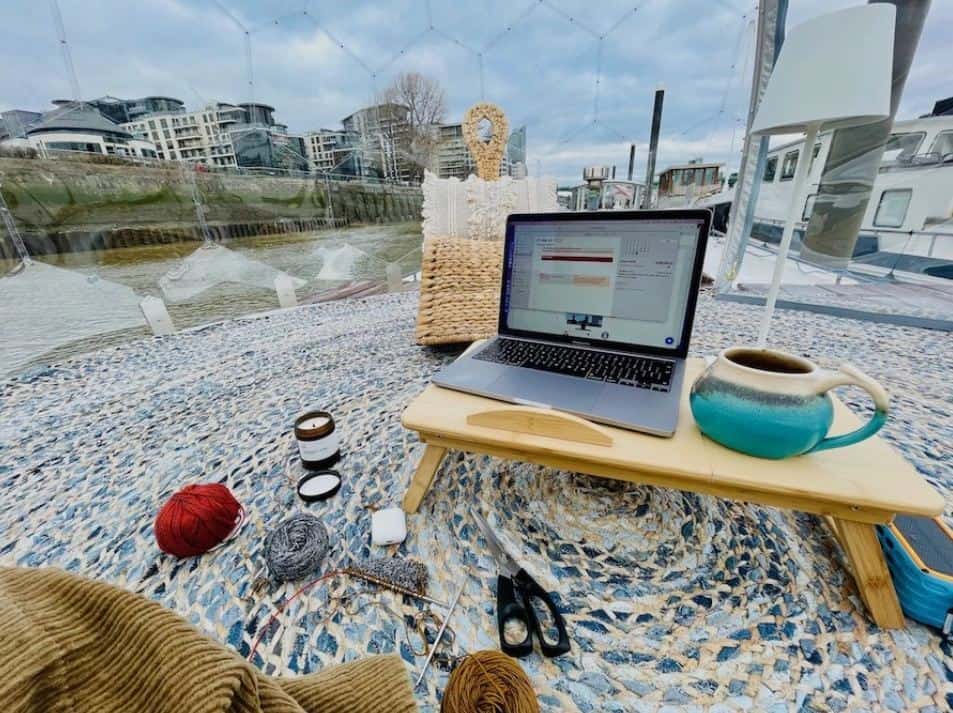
(65, 206)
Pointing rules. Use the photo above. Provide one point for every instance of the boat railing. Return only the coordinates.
(923, 233)
(920, 160)
(931, 248)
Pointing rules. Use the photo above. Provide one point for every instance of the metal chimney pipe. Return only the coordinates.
(653, 145)
(631, 160)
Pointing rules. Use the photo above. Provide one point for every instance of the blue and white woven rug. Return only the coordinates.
(675, 601)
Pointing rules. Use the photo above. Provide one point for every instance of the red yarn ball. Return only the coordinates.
(196, 519)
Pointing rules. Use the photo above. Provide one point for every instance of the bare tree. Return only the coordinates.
(426, 104)
(423, 96)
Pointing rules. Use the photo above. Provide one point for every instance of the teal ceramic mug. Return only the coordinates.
(772, 404)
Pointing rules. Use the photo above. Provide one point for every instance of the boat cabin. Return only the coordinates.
(908, 224)
(607, 195)
(682, 184)
(602, 191)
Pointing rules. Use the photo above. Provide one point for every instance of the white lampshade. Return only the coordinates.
(833, 71)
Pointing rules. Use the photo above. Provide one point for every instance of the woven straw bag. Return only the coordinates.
(459, 290)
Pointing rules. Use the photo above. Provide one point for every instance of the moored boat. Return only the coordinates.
(908, 224)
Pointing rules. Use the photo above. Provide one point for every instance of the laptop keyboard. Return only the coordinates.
(637, 371)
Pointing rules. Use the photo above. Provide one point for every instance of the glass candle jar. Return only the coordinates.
(319, 442)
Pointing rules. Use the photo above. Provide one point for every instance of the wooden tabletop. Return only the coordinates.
(869, 481)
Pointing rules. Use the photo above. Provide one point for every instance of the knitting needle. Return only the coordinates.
(443, 627)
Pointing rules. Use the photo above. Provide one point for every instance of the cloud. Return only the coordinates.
(539, 64)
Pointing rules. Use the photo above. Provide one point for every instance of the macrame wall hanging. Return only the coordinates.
(485, 129)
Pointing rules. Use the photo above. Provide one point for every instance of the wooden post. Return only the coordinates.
(653, 145)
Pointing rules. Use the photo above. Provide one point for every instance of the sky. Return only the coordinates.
(579, 74)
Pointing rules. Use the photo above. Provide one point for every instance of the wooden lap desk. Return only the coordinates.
(852, 488)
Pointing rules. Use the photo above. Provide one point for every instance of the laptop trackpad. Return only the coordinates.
(561, 392)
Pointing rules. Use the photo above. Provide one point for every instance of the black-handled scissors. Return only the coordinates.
(515, 593)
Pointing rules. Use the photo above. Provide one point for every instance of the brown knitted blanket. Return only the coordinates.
(72, 645)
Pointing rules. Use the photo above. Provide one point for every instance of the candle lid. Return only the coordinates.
(320, 485)
(314, 424)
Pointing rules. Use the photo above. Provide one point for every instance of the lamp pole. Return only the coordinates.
(800, 178)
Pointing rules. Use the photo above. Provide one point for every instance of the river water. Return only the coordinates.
(356, 254)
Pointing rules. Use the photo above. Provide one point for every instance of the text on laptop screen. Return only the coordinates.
(616, 281)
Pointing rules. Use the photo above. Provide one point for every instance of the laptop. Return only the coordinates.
(596, 311)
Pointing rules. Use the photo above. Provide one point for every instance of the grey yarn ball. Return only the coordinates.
(296, 548)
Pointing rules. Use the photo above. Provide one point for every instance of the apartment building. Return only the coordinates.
(261, 142)
(122, 111)
(333, 151)
(201, 135)
(382, 137)
(81, 128)
(15, 122)
(222, 134)
(453, 158)
(516, 153)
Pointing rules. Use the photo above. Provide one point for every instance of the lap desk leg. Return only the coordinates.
(866, 558)
(423, 477)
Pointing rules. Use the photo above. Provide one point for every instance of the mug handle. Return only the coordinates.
(852, 376)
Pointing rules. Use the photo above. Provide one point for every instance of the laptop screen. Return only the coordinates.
(603, 281)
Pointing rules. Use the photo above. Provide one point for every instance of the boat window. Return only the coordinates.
(892, 210)
(710, 175)
(688, 177)
(808, 207)
(676, 176)
(770, 168)
(908, 144)
(789, 165)
(943, 144)
(814, 153)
